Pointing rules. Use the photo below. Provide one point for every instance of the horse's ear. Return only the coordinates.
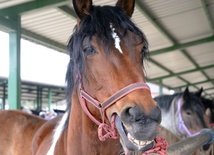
(127, 6)
(82, 7)
(198, 94)
(186, 93)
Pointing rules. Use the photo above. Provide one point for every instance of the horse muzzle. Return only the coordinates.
(137, 132)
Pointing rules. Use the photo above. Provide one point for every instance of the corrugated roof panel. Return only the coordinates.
(209, 2)
(104, 2)
(204, 85)
(194, 77)
(50, 23)
(203, 54)
(185, 21)
(153, 71)
(56, 25)
(210, 73)
(163, 8)
(173, 82)
(187, 26)
(9, 3)
(210, 10)
(155, 38)
(39, 15)
(191, 88)
(175, 61)
(210, 91)
(138, 16)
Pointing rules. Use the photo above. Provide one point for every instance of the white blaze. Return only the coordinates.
(116, 39)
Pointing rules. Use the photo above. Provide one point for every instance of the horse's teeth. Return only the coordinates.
(138, 142)
(130, 137)
(141, 143)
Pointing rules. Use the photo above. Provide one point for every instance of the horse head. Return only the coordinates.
(194, 114)
(107, 52)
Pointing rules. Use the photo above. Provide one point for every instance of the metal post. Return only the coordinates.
(4, 96)
(37, 98)
(40, 99)
(14, 80)
(160, 87)
(49, 99)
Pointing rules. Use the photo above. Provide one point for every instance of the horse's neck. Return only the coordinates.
(170, 118)
(82, 135)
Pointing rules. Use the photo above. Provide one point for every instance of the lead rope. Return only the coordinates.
(161, 146)
(110, 131)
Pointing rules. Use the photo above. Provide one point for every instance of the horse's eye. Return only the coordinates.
(188, 112)
(89, 51)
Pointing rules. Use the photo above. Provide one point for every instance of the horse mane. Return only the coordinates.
(95, 23)
(165, 101)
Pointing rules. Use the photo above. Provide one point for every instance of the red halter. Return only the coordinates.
(111, 131)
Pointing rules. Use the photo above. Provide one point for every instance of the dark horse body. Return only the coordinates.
(110, 107)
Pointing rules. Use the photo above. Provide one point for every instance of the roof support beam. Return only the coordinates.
(180, 73)
(8, 25)
(68, 11)
(146, 13)
(208, 15)
(31, 6)
(201, 82)
(182, 46)
(43, 41)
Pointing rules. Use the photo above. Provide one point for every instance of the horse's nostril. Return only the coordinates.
(131, 114)
(134, 114)
(156, 114)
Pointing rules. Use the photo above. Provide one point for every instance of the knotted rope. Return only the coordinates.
(110, 131)
(160, 147)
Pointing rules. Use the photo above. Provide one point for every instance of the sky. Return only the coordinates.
(40, 64)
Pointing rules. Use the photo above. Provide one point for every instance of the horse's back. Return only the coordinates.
(17, 130)
(43, 137)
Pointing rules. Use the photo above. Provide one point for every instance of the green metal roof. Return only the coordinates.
(180, 35)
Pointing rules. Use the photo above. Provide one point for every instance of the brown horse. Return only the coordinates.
(17, 130)
(109, 104)
(107, 94)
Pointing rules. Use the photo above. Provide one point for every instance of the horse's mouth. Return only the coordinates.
(128, 142)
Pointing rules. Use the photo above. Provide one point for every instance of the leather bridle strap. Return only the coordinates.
(102, 106)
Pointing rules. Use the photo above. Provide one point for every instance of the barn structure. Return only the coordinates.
(180, 35)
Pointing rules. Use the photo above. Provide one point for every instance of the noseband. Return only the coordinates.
(182, 124)
(111, 131)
